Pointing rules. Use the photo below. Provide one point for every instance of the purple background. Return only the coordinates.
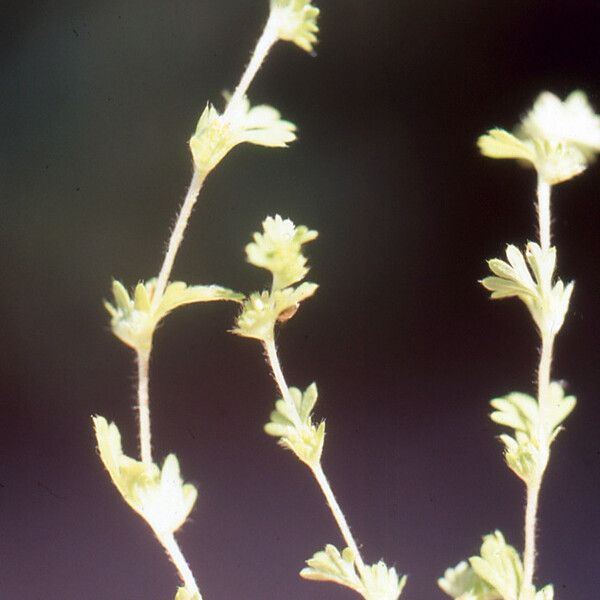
(98, 100)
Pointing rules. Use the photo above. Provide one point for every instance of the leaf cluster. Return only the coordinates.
(535, 428)
(294, 427)
(278, 250)
(375, 582)
(530, 279)
(496, 574)
(158, 495)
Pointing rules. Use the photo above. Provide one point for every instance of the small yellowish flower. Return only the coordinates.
(558, 138)
(262, 310)
(216, 134)
(279, 250)
(133, 320)
(296, 21)
(158, 495)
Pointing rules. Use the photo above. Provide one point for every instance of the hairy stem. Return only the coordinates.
(543, 388)
(173, 551)
(317, 470)
(264, 44)
(543, 209)
(338, 515)
(273, 360)
(529, 553)
(143, 363)
(177, 236)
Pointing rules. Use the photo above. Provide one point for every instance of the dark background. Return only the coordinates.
(98, 101)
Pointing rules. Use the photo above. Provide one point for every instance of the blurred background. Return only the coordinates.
(98, 102)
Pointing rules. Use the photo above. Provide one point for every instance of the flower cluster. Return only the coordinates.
(158, 495)
(377, 582)
(216, 134)
(496, 574)
(558, 138)
(547, 302)
(296, 21)
(294, 427)
(134, 318)
(535, 429)
(278, 250)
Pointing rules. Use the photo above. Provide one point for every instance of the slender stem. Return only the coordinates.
(143, 363)
(177, 236)
(173, 550)
(264, 44)
(317, 470)
(338, 515)
(543, 208)
(273, 360)
(543, 388)
(529, 553)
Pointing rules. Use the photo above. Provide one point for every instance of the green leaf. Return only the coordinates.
(261, 311)
(527, 452)
(294, 426)
(529, 278)
(498, 143)
(159, 496)
(331, 565)
(462, 583)
(499, 565)
(377, 583)
(134, 321)
(216, 134)
(296, 21)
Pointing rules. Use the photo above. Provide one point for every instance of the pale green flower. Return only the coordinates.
(159, 496)
(530, 278)
(558, 138)
(378, 583)
(216, 134)
(279, 250)
(296, 21)
(571, 122)
(134, 321)
(262, 310)
(303, 438)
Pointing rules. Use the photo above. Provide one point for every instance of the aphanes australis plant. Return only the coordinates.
(158, 494)
(559, 139)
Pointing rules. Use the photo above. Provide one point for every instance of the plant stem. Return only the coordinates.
(264, 44)
(338, 515)
(543, 209)
(177, 236)
(273, 360)
(543, 387)
(317, 470)
(171, 546)
(143, 363)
